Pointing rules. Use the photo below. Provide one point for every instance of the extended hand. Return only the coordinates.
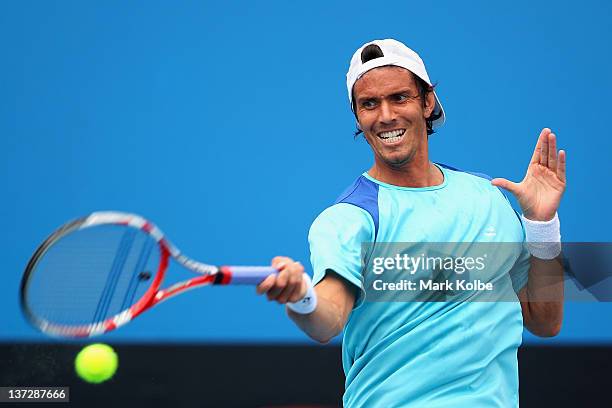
(539, 194)
(286, 286)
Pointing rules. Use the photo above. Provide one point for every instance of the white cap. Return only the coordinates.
(397, 54)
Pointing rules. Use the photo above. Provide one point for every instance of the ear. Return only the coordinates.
(430, 103)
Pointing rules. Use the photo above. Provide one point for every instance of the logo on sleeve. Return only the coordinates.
(490, 231)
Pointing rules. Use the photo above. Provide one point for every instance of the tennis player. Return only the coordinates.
(426, 354)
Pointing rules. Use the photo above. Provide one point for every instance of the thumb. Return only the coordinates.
(506, 184)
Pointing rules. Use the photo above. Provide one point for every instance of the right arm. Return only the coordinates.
(335, 239)
(335, 298)
(335, 301)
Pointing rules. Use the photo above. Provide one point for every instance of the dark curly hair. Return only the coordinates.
(373, 51)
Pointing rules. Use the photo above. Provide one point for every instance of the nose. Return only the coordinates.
(387, 114)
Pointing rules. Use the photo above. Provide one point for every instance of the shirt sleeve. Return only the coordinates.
(335, 239)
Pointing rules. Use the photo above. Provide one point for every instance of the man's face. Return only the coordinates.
(391, 114)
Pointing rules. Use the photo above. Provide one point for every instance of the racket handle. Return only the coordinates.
(248, 275)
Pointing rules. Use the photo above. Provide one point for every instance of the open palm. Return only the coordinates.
(539, 193)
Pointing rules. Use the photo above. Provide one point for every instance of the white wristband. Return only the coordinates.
(308, 303)
(543, 237)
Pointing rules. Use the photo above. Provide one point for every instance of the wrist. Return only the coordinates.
(543, 237)
(308, 303)
(541, 218)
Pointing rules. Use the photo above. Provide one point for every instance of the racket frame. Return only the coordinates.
(208, 274)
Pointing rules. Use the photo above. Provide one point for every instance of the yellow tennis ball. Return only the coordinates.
(96, 363)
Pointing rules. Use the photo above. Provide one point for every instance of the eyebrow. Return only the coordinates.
(401, 91)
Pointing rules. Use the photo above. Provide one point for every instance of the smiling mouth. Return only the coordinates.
(391, 136)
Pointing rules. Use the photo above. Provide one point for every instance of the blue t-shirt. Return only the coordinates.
(425, 354)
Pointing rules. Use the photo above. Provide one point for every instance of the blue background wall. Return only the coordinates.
(227, 123)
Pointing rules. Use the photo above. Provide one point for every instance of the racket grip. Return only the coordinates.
(249, 275)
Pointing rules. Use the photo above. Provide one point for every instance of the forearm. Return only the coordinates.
(543, 297)
(324, 323)
(332, 298)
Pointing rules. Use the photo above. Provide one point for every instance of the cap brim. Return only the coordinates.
(438, 109)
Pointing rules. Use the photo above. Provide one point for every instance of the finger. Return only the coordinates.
(552, 152)
(295, 273)
(279, 285)
(266, 284)
(544, 149)
(561, 166)
(506, 185)
(279, 262)
(536, 152)
(299, 293)
(295, 282)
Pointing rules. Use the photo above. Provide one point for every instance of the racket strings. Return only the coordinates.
(139, 275)
(113, 277)
(90, 275)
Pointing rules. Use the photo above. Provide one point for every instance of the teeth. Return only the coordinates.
(392, 139)
(393, 134)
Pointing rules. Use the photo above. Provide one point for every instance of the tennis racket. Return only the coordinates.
(99, 272)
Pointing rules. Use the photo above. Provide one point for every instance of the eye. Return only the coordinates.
(368, 104)
(401, 97)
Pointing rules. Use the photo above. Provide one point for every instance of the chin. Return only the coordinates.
(398, 162)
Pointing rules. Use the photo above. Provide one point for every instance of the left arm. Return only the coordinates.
(539, 195)
(542, 297)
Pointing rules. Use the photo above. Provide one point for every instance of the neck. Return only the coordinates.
(419, 172)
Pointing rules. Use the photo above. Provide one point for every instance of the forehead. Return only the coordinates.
(383, 81)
